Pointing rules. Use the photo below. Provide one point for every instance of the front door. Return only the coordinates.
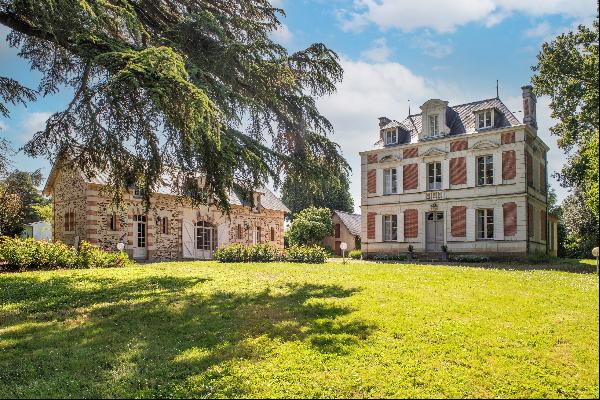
(206, 240)
(434, 230)
(338, 250)
(139, 240)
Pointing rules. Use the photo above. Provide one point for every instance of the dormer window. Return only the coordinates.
(391, 137)
(138, 193)
(434, 125)
(485, 119)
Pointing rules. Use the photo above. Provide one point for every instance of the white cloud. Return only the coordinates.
(282, 35)
(379, 52)
(32, 123)
(540, 30)
(446, 16)
(369, 91)
(433, 48)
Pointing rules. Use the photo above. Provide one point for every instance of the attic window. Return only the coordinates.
(485, 119)
(434, 125)
(138, 192)
(391, 137)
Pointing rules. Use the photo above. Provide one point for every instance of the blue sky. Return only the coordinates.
(392, 51)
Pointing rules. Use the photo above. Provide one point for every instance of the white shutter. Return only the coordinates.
(498, 223)
(400, 231)
(470, 171)
(471, 226)
(400, 178)
(379, 228)
(497, 168)
(445, 174)
(422, 177)
(187, 239)
(379, 182)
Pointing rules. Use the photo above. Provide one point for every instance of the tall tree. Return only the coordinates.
(25, 186)
(581, 225)
(567, 71)
(163, 87)
(5, 151)
(11, 213)
(331, 192)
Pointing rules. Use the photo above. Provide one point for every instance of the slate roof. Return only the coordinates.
(352, 221)
(268, 199)
(460, 118)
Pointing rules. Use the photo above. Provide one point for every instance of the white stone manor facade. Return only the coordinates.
(471, 177)
(170, 230)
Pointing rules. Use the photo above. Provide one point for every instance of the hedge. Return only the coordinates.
(264, 253)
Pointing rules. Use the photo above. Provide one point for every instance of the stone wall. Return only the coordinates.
(69, 196)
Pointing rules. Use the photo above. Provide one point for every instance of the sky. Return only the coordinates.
(394, 53)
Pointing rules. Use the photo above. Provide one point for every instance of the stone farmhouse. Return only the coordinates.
(346, 229)
(170, 230)
(471, 177)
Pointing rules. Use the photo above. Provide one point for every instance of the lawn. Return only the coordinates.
(204, 329)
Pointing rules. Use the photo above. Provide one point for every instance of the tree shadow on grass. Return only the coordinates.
(153, 337)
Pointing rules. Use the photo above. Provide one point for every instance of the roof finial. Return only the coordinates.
(497, 90)
(409, 107)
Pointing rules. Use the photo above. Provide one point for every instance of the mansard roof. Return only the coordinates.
(461, 118)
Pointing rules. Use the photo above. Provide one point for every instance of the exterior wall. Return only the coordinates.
(69, 196)
(345, 236)
(508, 187)
(93, 209)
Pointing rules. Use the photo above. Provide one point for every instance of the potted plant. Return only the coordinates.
(444, 252)
(409, 256)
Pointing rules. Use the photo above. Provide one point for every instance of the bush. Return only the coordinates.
(306, 254)
(468, 258)
(30, 254)
(238, 252)
(355, 254)
(310, 226)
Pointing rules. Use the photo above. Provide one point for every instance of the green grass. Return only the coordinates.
(270, 330)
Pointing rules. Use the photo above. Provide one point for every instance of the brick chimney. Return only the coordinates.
(383, 121)
(529, 102)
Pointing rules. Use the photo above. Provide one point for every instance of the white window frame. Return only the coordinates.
(485, 224)
(390, 137)
(434, 182)
(390, 228)
(390, 181)
(488, 170)
(434, 125)
(487, 117)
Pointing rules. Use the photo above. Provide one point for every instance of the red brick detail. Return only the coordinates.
(509, 164)
(371, 225)
(507, 137)
(91, 203)
(458, 221)
(372, 181)
(371, 158)
(510, 218)
(91, 231)
(411, 223)
(543, 220)
(458, 171)
(530, 220)
(410, 176)
(91, 212)
(458, 145)
(529, 161)
(542, 177)
(411, 153)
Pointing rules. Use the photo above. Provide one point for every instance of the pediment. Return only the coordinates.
(434, 152)
(390, 157)
(485, 144)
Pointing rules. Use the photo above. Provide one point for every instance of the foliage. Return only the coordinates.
(355, 254)
(205, 329)
(5, 152)
(163, 87)
(310, 226)
(44, 212)
(237, 252)
(567, 71)
(11, 212)
(330, 192)
(306, 254)
(30, 254)
(25, 185)
(470, 258)
(581, 226)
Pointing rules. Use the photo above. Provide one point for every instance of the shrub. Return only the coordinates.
(238, 252)
(310, 226)
(469, 258)
(306, 254)
(30, 254)
(355, 254)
